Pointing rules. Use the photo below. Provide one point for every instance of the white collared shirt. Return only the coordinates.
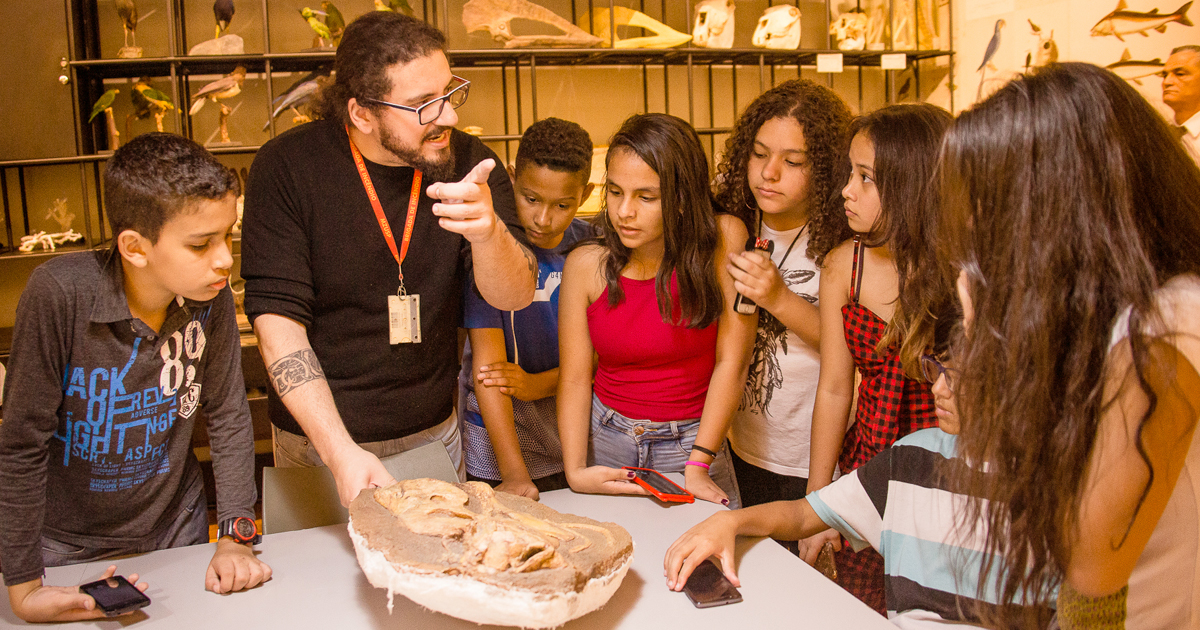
(1191, 137)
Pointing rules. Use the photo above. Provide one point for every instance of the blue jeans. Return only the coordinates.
(664, 446)
(190, 527)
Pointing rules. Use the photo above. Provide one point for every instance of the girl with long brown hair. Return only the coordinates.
(881, 293)
(1074, 216)
(651, 301)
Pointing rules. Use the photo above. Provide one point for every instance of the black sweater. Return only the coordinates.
(313, 251)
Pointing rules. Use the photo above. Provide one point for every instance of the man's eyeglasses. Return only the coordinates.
(432, 109)
(932, 369)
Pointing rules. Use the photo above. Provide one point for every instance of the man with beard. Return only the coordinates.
(359, 232)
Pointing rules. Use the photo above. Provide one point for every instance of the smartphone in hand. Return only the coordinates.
(743, 304)
(115, 595)
(708, 587)
(658, 485)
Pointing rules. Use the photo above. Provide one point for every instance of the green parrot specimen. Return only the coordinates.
(104, 102)
(147, 100)
(315, 24)
(333, 20)
(395, 6)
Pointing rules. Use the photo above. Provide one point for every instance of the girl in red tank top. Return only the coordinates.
(646, 314)
(880, 295)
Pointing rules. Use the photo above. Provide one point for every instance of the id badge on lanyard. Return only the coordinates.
(404, 310)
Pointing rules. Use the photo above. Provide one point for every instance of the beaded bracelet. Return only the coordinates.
(697, 447)
(700, 464)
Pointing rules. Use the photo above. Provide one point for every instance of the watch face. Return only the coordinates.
(244, 528)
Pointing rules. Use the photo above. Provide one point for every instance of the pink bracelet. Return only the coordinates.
(700, 464)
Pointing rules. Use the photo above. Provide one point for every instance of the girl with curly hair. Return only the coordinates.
(1074, 217)
(881, 293)
(651, 348)
(781, 172)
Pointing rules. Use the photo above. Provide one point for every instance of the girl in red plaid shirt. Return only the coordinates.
(879, 291)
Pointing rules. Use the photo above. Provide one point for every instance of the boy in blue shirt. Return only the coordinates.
(510, 370)
(115, 353)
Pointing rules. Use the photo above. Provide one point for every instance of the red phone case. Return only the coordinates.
(682, 496)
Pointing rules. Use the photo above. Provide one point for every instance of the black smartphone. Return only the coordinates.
(743, 304)
(655, 483)
(115, 595)
(708, 587)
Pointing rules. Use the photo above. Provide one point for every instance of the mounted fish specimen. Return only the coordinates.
(664, 36)
(496, 16)
(850, 30)
(779, 28)
(1122, 21)
(1132, 70)
(714, 25)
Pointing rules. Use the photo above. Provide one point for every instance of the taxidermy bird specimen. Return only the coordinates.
(223, 12)
(316, 25)
(224, 88)
(334, 21)
(395, 6)
(147, 101)
(128, 13)
(992, 47)
(104, 104)
(299, 94)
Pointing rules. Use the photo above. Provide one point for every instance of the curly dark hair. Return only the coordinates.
(156, 177)
(557, 144)
(824, 118)
(371, 44)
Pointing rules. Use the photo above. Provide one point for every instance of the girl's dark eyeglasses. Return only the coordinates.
(932, 369)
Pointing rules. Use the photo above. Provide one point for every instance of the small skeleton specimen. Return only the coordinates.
(61, 215)
(48, 241)
(495, 17)
(494, 538)
(778, 28)
(850, 30)
(714, 26)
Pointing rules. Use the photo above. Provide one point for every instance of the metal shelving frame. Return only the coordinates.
(87, 71)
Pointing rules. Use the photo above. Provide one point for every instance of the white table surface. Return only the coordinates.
(317, 584)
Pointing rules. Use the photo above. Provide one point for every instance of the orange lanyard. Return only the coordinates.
(409, 222)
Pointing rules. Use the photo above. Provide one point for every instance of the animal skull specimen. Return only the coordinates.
(850, 29)
(714, 26)
(664, 36)
(779, 28)
(495, 17)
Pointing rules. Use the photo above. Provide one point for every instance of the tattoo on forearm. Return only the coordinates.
(531, 260)
(295, 370)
